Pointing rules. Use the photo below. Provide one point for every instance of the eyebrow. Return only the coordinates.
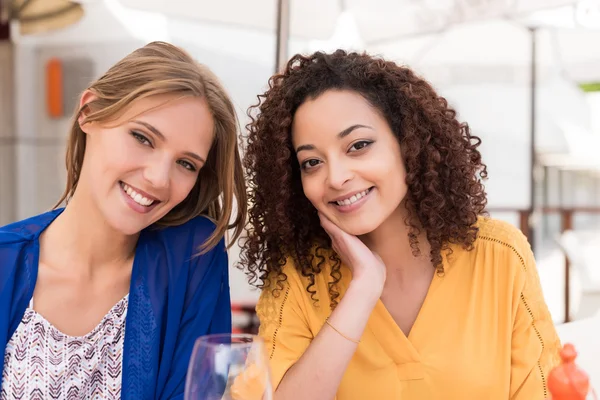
(340, 135)
(164, 139)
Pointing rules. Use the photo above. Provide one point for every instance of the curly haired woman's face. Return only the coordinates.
(351, 163)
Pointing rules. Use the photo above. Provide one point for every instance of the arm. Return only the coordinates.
(323, 361)
(207, 311)
(535, 343)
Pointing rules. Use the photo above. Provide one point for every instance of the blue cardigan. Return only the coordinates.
(173, 298)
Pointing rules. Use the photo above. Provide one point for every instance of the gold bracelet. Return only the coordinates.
(340, 333)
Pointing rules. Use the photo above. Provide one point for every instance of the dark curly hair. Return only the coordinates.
(444, 168)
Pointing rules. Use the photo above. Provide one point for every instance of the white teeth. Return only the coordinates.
(138, 198)
(352, 199)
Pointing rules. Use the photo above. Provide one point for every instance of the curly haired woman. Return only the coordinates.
(381, 276)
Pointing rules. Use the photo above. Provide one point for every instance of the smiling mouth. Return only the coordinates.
(137, 197)
(352, 199)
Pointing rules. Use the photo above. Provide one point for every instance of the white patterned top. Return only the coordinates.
(40, 362)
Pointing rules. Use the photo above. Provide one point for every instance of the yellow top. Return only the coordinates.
(484, 331)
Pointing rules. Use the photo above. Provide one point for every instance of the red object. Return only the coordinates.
(244, 318)
(54, 88)
(567, 381)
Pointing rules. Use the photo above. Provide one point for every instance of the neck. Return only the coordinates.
(390, 241)
(80, 238)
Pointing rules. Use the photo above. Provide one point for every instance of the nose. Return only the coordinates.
(338, 174)
(158, 172)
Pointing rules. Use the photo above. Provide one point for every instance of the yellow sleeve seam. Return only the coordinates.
(274, 340)
(524, 266)
(511, 247)
(537, 332)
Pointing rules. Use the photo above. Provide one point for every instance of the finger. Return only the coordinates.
(378, 257)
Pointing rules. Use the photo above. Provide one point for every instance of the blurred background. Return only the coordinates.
(525, 75)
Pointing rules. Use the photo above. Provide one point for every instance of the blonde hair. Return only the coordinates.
(161, 68)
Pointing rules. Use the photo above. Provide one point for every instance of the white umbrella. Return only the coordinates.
(500, 49)
(501, 52)
(316, 19)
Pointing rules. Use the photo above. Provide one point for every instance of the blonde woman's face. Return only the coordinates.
(141, 166)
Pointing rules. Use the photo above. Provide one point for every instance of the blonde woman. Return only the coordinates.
(104, 298)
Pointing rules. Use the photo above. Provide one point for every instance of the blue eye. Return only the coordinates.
(360, 145)
(141, 138)
(187, 165)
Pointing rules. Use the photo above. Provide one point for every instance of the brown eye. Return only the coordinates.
(360, 145)
(311, 163)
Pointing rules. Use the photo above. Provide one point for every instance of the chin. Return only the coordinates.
(125, 224)
(128, 229)
(121, 218)
(358, 229)
(132, 230)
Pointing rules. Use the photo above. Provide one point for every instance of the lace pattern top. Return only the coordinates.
(40, 362)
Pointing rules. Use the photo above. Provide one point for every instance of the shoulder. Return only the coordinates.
(500, 240)
(197, 230)
(309, 292)
(500, 254)
(177, 251)
(322, 261)
(16, 246)
(26, 230)
(186, 240)
(501, 234)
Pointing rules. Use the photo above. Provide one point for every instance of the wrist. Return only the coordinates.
(366, 290)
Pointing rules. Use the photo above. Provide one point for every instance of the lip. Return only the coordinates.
(354, 206)
(140, 191)
(135, 206)
(348, 195)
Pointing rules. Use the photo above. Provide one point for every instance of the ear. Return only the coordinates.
(86, 98)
